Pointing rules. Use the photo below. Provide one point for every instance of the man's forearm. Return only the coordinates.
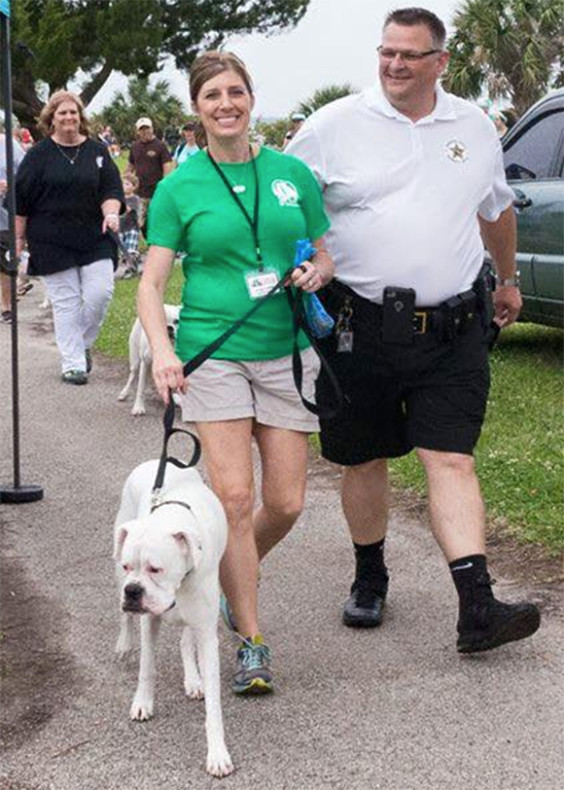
(500, 239)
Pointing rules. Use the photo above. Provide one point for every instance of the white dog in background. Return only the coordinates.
(169, 563)
(140, 358)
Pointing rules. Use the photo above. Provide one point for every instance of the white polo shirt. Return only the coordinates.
(403, 198)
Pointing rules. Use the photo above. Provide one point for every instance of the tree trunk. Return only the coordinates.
(26, 103)
(97, 82)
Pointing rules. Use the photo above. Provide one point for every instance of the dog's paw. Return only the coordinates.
(141, 709)
(122, 653)
(194, 689)
(123, 395)
(219, 763)
(138, 410)
(124, 646)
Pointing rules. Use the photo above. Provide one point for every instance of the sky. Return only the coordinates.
(335, 43)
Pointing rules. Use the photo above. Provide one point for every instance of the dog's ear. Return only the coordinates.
(189, 546)
(119, 539)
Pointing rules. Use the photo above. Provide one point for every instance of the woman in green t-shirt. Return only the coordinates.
(238, 210)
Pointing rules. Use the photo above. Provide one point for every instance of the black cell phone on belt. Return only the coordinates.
(397, 315)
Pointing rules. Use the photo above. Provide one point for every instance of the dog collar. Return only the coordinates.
(170, 502)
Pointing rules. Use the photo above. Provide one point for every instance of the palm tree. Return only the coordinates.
(325, 96)
(157, 103)
(512, 48)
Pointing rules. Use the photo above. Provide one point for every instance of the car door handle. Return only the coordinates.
(521, 200)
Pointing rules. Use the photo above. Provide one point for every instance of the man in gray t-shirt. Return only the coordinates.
(19, 154)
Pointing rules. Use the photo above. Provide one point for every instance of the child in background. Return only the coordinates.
(129, 226)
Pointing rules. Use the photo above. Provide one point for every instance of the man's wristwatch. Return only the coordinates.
(515, 280)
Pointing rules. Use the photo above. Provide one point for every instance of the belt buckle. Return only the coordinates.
(420, 322)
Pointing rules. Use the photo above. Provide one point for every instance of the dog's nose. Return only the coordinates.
(133, 592)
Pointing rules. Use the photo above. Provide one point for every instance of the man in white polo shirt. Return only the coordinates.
(413, 181)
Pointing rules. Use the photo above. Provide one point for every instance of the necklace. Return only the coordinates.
(70, 159)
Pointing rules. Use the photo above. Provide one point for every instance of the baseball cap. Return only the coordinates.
(143, 122)
(297, 116)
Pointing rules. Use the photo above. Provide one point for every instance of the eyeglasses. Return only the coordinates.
(409, 55)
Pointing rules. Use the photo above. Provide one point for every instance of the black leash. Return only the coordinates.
(190, 367)
(299, 322)
(168, 420)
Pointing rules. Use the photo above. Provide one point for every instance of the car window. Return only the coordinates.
(532, 154)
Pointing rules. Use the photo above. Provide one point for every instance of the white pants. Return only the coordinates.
(80, 298)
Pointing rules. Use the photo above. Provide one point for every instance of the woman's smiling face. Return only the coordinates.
(224, 105)
(66, 119)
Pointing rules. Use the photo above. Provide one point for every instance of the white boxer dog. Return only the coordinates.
(168, 561)
(140, 358)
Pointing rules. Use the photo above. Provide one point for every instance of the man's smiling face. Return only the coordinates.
(409, 83)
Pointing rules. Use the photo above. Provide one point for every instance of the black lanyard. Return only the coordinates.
(253, 221)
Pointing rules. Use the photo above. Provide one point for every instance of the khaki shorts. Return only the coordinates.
(222, 389)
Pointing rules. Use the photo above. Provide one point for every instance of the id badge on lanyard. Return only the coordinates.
(260, 281)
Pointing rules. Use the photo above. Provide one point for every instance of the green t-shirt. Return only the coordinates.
(192, 210)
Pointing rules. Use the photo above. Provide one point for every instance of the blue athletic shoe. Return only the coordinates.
(253, 675)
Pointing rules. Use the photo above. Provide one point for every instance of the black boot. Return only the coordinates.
(364, 608)
(484, 622)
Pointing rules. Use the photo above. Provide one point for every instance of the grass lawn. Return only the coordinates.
(122, 160)
(520, 456)
(113, 339)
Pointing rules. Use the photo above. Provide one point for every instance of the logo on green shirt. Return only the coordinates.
(286, 192)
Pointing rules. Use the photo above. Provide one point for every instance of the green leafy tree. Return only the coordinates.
(510, 48)
(325, 96)
(54, 40)
(164, 110)
(272, 132)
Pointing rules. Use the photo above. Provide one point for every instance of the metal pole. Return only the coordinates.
(17, 493)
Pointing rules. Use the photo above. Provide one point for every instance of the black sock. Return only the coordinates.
(472, 581)
(370, 564)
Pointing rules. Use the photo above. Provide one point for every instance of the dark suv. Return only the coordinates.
(534, 158)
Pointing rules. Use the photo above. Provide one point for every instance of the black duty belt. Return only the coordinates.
(448, 318)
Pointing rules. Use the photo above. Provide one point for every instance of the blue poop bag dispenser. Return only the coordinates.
(318, 319)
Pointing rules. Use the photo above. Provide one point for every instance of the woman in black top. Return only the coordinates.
(68, 195)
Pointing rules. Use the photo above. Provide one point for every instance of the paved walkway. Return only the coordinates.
(395, 709)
